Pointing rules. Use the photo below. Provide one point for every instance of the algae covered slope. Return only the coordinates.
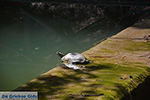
(119, 65)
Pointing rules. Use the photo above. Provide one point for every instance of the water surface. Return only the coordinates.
(28, 45)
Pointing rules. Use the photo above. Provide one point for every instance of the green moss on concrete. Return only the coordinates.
(96, 78)
(137, 46)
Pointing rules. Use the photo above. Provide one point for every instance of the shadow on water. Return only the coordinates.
(145, 16)
(143, 25)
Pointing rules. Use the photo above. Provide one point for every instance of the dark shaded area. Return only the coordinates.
(145, 16)
(50, 85)
(142, 26)
(86, 17)
(98, 67)
(122, 91)
(141, 92)
(82, 96)
(96, 2)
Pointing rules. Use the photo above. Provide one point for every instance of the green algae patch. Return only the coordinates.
(137, 46)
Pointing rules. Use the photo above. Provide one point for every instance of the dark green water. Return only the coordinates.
(28, 45)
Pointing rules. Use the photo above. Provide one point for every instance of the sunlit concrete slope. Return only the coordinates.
(119, 65)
